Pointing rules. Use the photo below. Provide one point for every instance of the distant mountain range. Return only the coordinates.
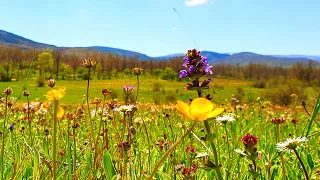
(242, 58)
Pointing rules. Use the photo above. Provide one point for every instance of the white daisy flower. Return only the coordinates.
(224, 119)
(124, 108)
(291, 144)
(241, 152)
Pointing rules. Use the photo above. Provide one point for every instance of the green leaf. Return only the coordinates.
(35, 165)
(108, 165)
(310, 161)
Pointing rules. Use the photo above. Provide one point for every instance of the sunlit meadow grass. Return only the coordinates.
(223, 89)
(130, 140)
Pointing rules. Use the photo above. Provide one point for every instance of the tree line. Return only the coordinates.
(66, 64)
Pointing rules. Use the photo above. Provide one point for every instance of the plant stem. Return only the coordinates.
(214, 150)
(254, 169)
(89, 114)
(149, 149)
(69, 153)
(137, 88)
(74, 159)
(302, 165)
(56, 104)
(281, 155)
(170, 150)
(4, 136)
(29, 121)
(225, 127)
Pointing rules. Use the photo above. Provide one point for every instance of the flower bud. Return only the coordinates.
(51, 83)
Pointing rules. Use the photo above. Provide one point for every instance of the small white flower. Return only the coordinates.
(225, 118)
(98, 111)
(241, 152)
(291, 144)
(93, 112)
(124, 108)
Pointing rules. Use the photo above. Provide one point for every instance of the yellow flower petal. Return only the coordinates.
(60, 112)
(183, 108)
(199, 107)
(55, 95)
(215, 113)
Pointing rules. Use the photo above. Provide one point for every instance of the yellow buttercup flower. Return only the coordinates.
(60, 112)
(55, 95)
(200, 109)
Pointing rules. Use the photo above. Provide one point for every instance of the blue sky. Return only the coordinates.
(154, 28)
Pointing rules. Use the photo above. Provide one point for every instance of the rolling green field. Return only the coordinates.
(165, 91)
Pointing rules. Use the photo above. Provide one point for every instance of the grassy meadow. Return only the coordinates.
(152, 90)
(60, 134)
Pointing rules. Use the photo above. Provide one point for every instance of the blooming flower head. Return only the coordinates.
(200, 109)
(195, 64)
(99, 112)
(249, 141)
(224, 119)
(291, 144)
(278, 120)
(183, 73)
(124, 108)
(128, 89)
(55, 95)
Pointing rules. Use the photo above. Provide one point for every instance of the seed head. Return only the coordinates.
(105, 92)
(89, 62)
(8, 91)
(137, 71)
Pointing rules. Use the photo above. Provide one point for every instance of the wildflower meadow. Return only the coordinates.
(105, 137)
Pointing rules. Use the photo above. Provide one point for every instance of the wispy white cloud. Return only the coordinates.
(174, 28)
(195, 2)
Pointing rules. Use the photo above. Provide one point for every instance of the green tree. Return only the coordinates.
(45, 63)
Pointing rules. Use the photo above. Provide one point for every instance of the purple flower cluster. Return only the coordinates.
(195, 64)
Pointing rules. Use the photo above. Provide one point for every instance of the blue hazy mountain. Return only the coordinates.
(242, 58)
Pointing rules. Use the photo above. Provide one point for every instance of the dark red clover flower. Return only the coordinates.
(249, 141)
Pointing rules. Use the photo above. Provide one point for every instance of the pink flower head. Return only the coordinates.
(128, 89)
